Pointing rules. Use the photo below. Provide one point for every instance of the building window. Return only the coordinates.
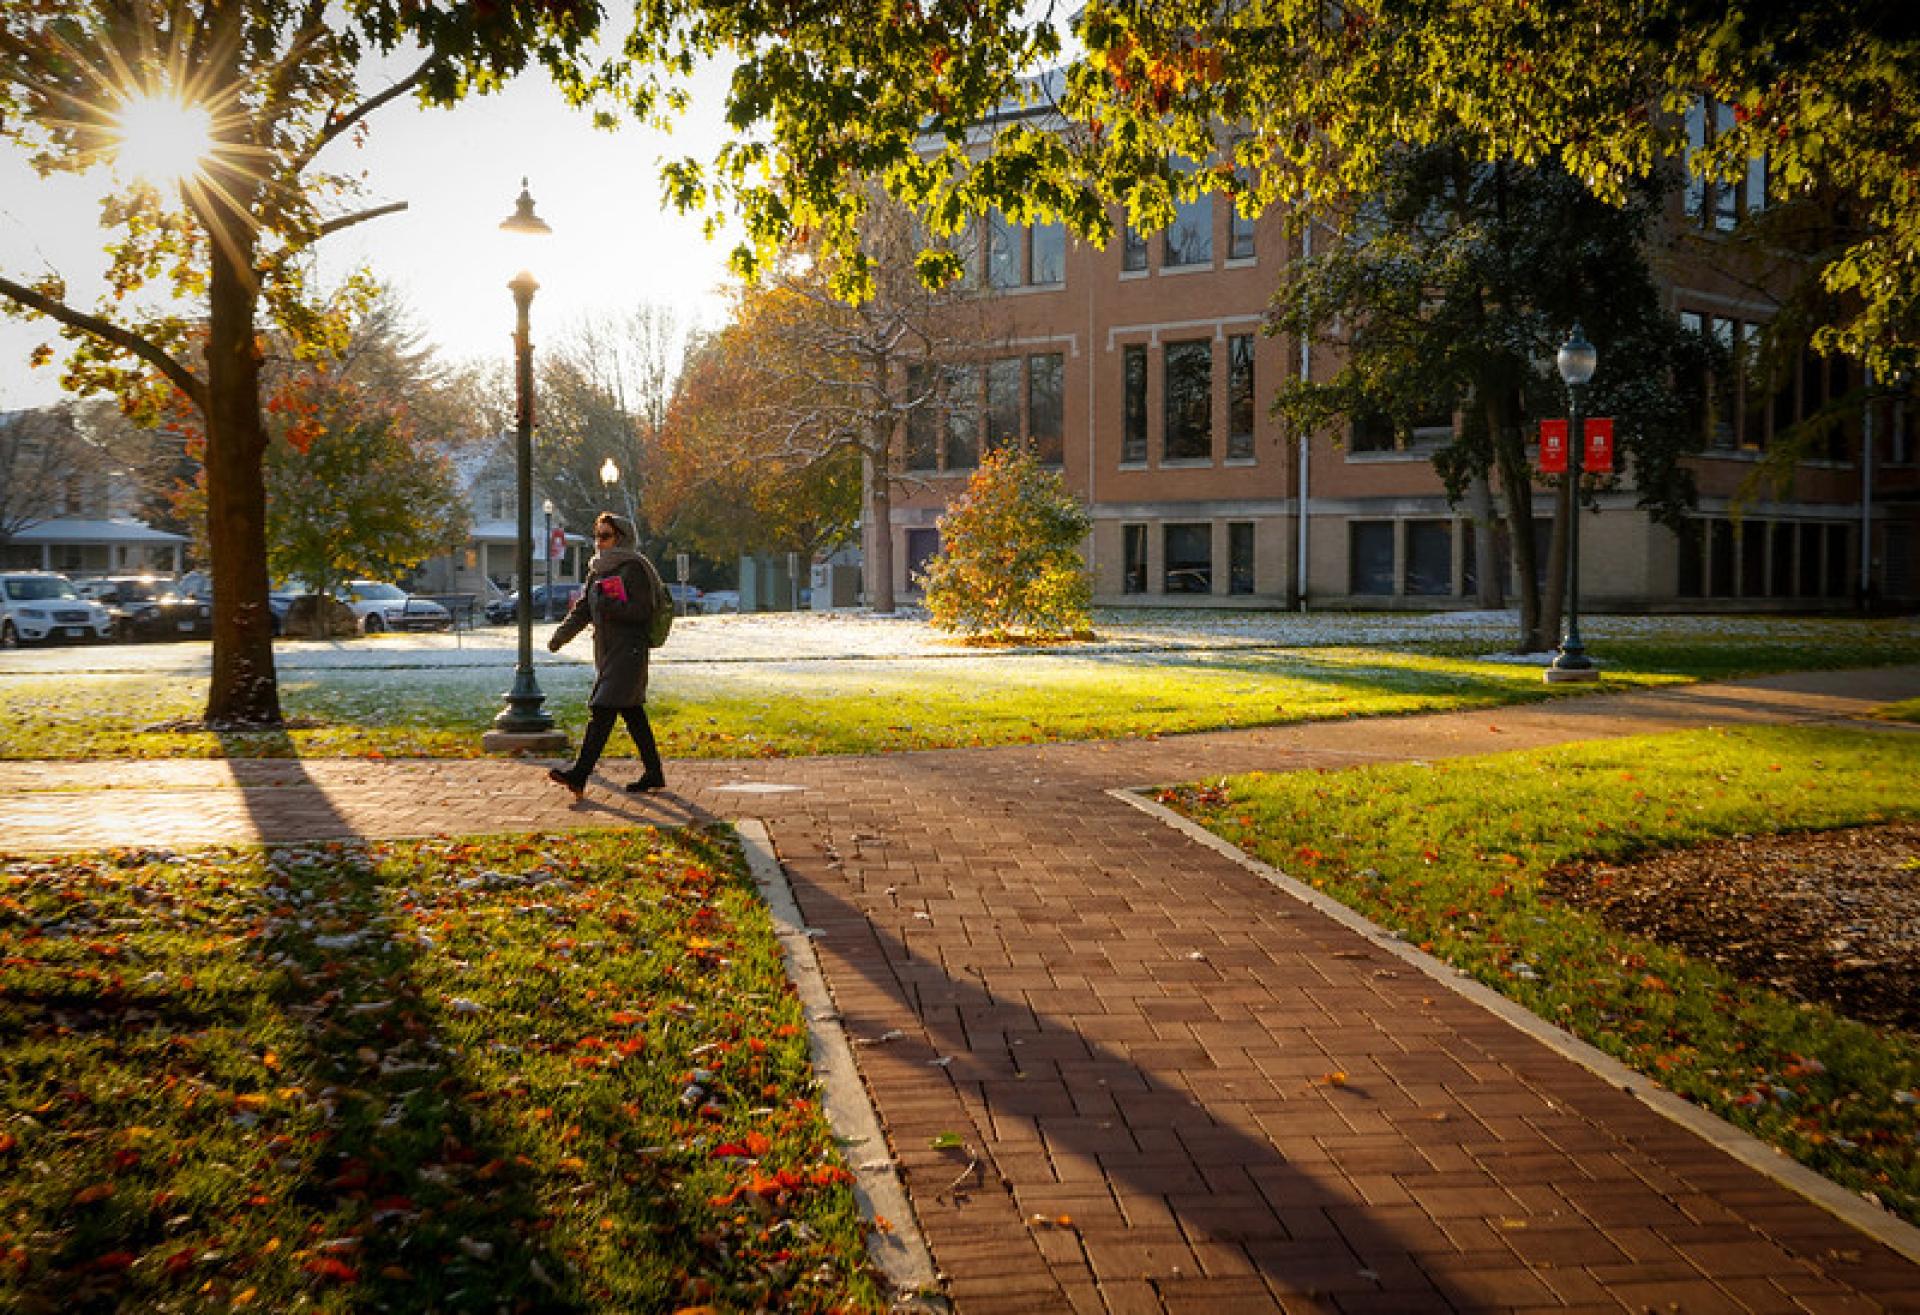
(1189, 559)
(1429, 557)
(1003, 252)
(1047, 255)
(1738, 410)
(1133, 434)
(1691, 551)
(963, 416)
(1133, 552)
(500, 505)
(1711, 203)
(1133, 249)
(923, 421)
(1240, 393)
(1808, 584)
(1190, 239)
(1239, 227)
(1046, 422)
(1240, 557)
(1025, 256)
(1839, 559)
(1189, 401)
(1003, 402)
(1376, 431)
(1370, 557)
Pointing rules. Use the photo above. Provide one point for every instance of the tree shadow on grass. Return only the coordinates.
(243, 1091)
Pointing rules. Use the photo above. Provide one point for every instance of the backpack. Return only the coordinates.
(662, 622)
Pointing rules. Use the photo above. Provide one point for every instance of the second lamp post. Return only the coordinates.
(1576, 362)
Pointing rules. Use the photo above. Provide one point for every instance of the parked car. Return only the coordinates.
(686, 598)
(505, 610)
(716, 601)
(149, 607)
(40, 607)
(379, 606)
(198, 585)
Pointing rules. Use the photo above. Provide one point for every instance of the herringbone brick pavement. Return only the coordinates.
(1131, 1034)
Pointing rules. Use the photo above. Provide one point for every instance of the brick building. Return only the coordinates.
(1141, 371)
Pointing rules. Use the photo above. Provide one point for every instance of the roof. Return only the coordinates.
(76, 529)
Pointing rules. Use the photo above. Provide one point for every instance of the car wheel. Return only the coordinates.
(374, 624)
(9, 637)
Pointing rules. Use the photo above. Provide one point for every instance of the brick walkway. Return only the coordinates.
(1125, 1027)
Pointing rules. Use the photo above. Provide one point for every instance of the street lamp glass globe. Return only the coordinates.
(1577, 359)
(609, 473)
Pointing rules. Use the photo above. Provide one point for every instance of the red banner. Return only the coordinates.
(1553, 447)
(1599, 453)
(557, 544)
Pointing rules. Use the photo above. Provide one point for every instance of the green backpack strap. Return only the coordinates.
(662, 605)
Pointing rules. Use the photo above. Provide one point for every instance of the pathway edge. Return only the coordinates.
(900, 1252)
(1879, 1224)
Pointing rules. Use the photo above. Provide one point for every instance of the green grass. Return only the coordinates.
(1908, 710)
(550, 1072)
(852, 706)
(1452, 855)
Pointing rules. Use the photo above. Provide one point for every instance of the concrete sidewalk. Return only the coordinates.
(1126, 1029)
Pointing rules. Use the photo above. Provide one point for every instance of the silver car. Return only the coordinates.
(40, 607)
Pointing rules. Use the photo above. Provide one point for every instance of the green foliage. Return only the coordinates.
(1416, 848)
(555, 1072)
(1009, 561)
(363, 500)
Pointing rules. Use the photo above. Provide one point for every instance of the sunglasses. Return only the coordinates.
(604, 536)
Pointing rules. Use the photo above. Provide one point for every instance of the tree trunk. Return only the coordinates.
(1490, 591)
(244, 690)
(876, 516)
(1516, 484)
(1554, 597)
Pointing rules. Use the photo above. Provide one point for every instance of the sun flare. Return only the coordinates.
(162, 139)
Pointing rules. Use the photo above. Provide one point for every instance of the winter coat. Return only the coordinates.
(620, 630)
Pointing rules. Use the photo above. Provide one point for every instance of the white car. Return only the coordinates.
(39, 607)
(381, 607)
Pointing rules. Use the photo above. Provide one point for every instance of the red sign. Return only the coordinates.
(557, 544)
(1553, 447)
(1599, 454)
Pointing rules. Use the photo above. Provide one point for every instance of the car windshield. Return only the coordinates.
(38, 588)
(378, 593)
(128, 590)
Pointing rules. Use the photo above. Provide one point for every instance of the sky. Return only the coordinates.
(614, 246)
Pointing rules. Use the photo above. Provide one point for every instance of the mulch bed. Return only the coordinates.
(1825, 916)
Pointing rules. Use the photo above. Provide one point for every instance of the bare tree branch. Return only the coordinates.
(127, 340)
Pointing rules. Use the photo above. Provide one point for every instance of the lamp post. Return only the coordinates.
(522, 726)
(610, 476)
(546, 550)
(1576, 361)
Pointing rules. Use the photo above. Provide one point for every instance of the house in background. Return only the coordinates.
(67, 508)
(483, 567)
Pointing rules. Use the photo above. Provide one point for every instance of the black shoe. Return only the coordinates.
(558, 777)
(651, 781)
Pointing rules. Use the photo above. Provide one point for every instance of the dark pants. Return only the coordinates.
(600, 727)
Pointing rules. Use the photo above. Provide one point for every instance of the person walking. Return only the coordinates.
(617, 600)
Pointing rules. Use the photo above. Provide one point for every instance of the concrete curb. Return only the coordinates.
(901, 1253)
(1749, 1150)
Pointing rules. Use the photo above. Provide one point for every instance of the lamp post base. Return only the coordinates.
(1571, 675)
(525, 744)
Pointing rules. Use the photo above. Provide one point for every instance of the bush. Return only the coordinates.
(1009, 563)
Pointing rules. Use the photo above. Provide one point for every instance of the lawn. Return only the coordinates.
(1422, 850)
(551, 1072)
(409, 707)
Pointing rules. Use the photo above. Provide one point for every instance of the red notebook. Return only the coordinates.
(613, 588)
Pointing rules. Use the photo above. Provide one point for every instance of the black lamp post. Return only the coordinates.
(522, 726)
(1576, 362)
(546, 551)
